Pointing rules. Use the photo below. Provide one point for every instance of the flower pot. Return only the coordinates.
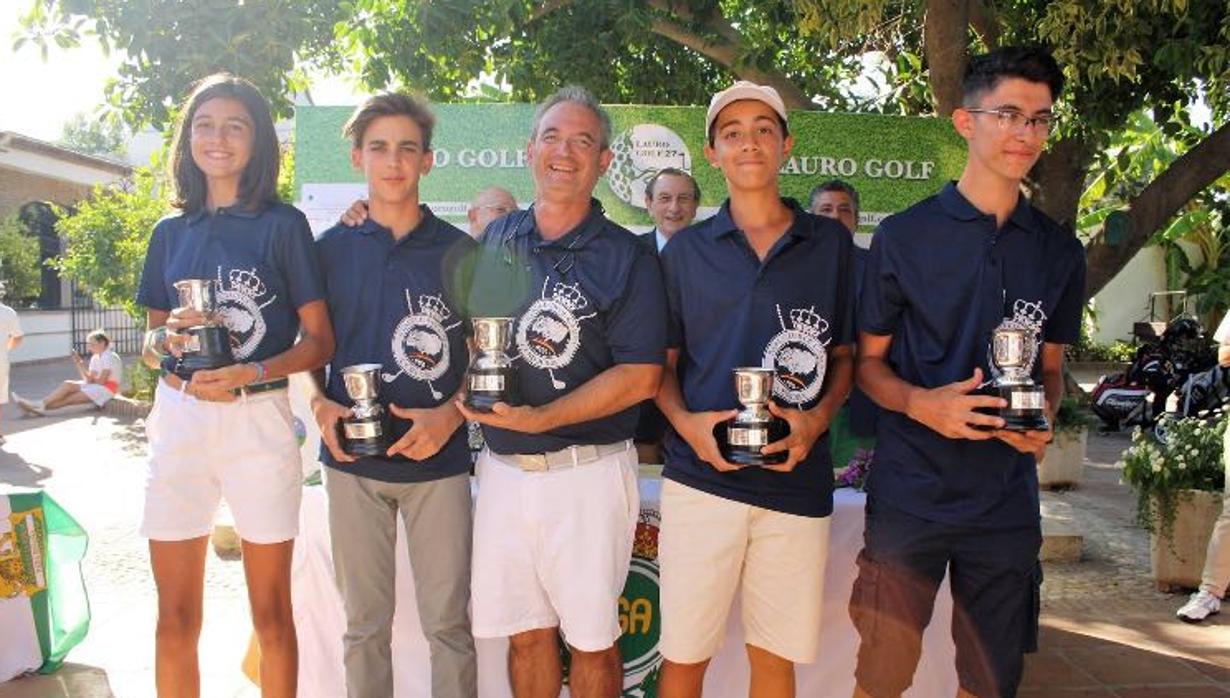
(1064, 462)
(1178, 561)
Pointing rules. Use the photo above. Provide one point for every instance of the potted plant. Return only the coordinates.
(1178, 475)
(1064, 462)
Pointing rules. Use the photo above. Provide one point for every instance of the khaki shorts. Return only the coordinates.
(709, 546)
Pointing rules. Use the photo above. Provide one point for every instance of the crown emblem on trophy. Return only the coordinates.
(1028, 313)
(808, 321)
(247, 283)
(433, 307)
(569, 296)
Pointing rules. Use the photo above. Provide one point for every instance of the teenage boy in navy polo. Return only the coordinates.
(950, 490)
(392, 292)
(557, 497)
(762, 283)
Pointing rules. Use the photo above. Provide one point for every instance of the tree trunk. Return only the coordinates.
(945, 39)
(1059, 179)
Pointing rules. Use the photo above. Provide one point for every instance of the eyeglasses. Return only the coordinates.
(1012, 120)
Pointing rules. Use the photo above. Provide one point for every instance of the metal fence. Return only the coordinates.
(87, 316)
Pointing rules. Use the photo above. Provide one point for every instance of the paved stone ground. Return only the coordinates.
(1106, 630)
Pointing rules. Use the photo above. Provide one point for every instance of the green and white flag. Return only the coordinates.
(44, 611)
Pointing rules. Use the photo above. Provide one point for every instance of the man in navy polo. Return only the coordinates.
(762, 283)
(557, 497)
(950, 490)
(393, 294)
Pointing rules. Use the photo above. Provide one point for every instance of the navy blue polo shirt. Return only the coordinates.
(584, 302)
(397, 303)
(728, 309)
(263, 263)
(940, 277)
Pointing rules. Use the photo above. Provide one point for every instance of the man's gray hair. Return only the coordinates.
(577, 95)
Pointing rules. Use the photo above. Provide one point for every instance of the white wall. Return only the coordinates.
(1125, 299)
(47, 335)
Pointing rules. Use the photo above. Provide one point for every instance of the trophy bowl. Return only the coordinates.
(209, 344)
(754, 427)
(366, 431)
(491, 377)
(1013, 353)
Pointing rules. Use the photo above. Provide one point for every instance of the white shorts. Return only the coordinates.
(201, 451)
(710, 545)
(4, 382)
(97, 393)
(553, 548)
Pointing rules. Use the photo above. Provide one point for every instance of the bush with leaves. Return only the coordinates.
(19, 263)
(106, 238)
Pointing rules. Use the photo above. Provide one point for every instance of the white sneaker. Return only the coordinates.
(1201, 605)
(28, 406)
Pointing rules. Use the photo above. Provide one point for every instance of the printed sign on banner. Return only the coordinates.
(893, 161)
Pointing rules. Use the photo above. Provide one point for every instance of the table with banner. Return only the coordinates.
(43, 607)
(321, 621)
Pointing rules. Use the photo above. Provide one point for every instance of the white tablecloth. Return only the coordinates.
(321, 622)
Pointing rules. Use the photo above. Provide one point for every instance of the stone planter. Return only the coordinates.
(1178, 561)
(1064, 462)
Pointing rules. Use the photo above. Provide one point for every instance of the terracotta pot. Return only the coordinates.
(1178, 561)
(1064, 462)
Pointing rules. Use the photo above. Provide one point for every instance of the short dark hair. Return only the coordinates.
(834, 185)
(99, 336)
(390, 104)
(259, 184)
(577, 95)
(673, 172)
(1030, 63)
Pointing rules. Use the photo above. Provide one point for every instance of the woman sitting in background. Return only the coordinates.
(100, 381)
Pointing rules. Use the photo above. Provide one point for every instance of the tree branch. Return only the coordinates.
(1158, 203)
(727, 53)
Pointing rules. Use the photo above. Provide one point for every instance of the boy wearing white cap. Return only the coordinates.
(762, 283)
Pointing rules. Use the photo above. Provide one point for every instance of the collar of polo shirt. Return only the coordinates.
(424, 232)
(960, 208)
(236, 210)
(573, 239)
(723, 223)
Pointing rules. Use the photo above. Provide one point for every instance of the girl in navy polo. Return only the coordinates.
(227, 432)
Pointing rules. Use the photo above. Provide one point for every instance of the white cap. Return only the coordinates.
(743, 90)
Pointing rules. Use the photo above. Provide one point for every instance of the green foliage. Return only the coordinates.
(170, 44)
(20, 277)
(1190, 458)
(141, 380)
(286, 172)
(106, 238)
(95, 136)
(1073, 415)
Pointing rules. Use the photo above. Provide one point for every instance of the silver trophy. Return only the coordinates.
(209, 344)
(754, 427)
(365, 431)
(491, 377)
(1013, 351)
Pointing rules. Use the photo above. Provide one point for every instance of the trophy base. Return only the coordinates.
(1025, 410)
(487, 386)
(484, 402)
(750, 455)
(211, 348)
(365, 437)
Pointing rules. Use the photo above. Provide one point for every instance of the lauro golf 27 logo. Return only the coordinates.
(639, 153)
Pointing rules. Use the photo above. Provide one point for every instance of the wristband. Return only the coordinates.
(260, 372)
